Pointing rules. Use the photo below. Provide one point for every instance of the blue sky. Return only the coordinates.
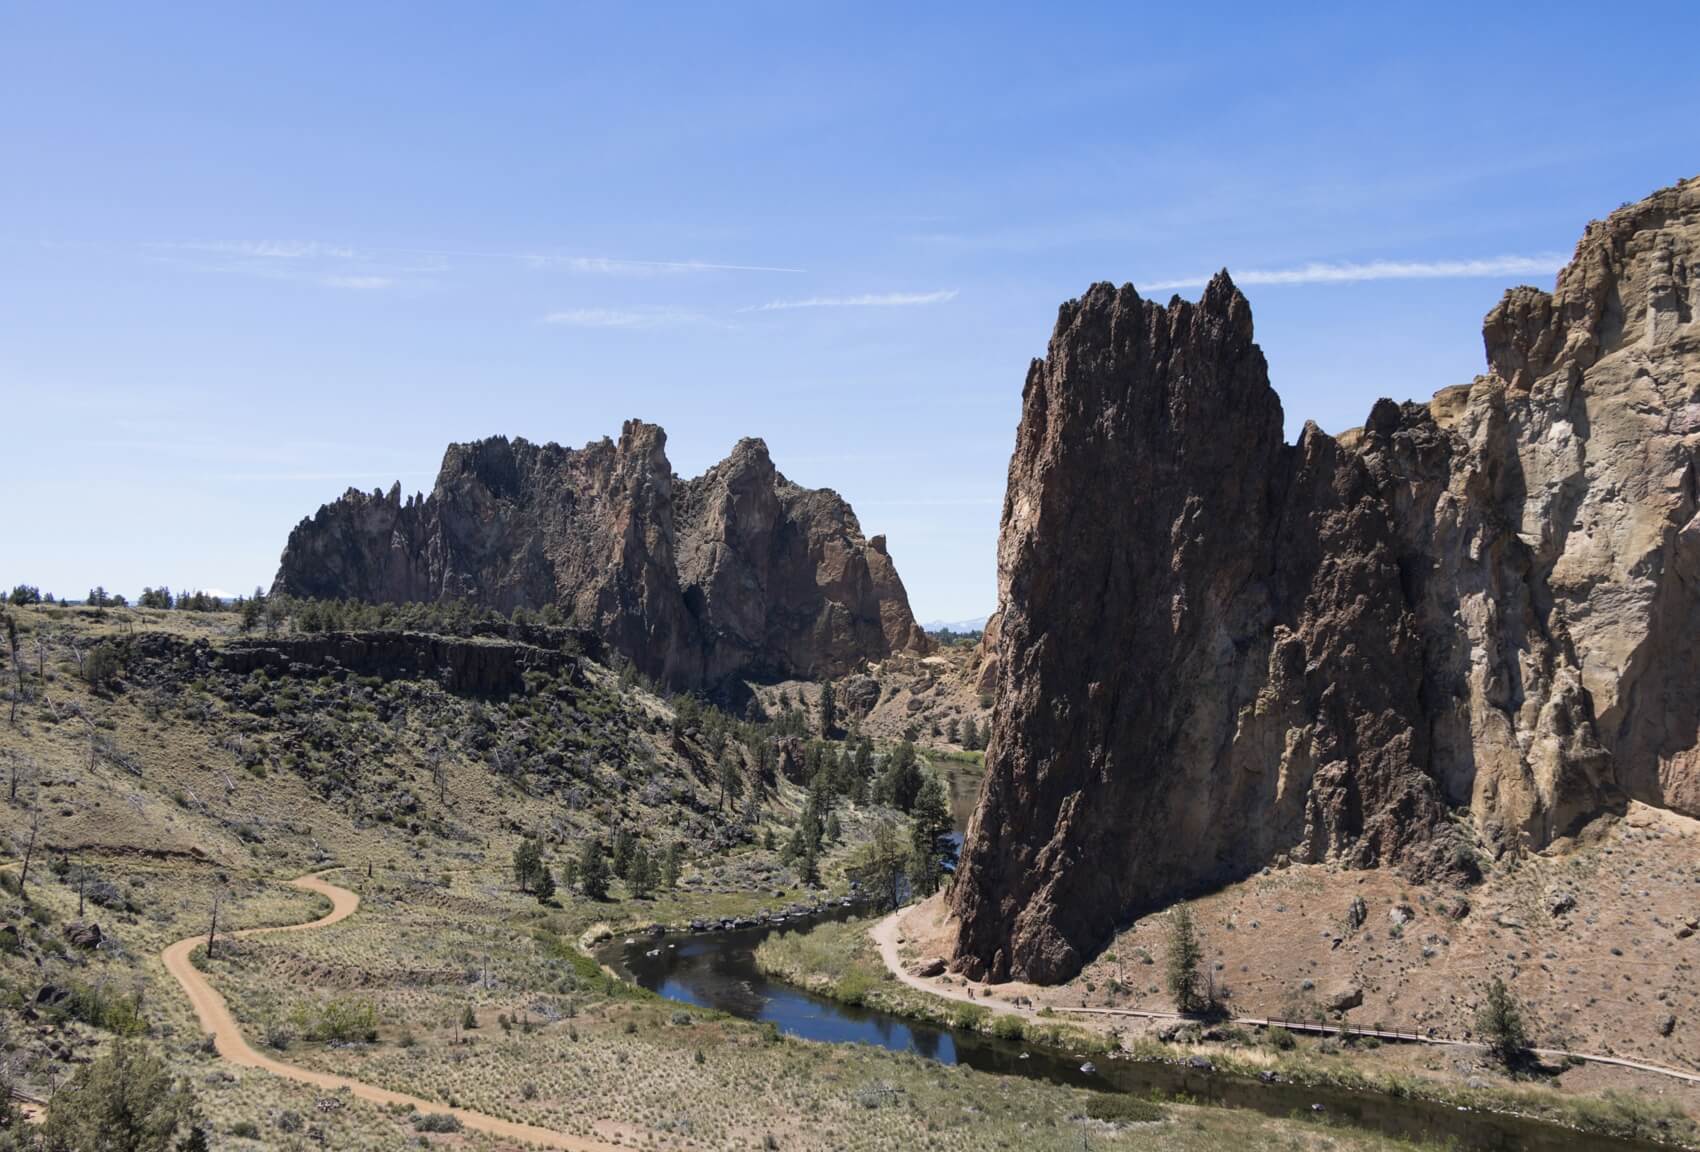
(250, 255)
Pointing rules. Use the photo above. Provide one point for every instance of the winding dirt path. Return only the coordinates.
(886, 931)
(227, 1035)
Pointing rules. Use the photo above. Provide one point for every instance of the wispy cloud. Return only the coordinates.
(304, 261)
(260, 249)
(619, 266)
(359, 283)
(869, 300)
(1544, 264)
(348, 266)
(618, 318)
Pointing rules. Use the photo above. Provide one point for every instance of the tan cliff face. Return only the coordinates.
(1472, 625)
(736, 572)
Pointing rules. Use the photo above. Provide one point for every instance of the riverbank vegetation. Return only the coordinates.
(840, 961)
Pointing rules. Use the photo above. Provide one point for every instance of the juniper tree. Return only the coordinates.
(126, 1101)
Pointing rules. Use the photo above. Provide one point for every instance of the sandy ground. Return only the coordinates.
(216, 1019)
(1596, 940)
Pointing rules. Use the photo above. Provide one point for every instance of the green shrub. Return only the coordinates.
(1008, 1027)
(337, 1020)
(99, 1008)
(854, 987)
(436, 1122)
(1121, 1109)
(968, 1016)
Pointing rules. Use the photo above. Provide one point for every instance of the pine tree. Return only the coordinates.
(808, 864)
(1500, 1022)
(971, 735)
(900, 783)
(625, 843)
(543, 885)
(1186, 953)
(641, 875)
(528, 862)
(879, 864)
(931, 821)
(593, 871)
(731, 778)
(828, 712)
(672, 861)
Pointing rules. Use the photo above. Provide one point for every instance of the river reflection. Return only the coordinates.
(717, 970)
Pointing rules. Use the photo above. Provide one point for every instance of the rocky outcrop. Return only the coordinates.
(780, 578)
(737, 572)
(469, 666)
(1218, 651)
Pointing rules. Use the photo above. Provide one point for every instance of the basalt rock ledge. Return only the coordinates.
(736, 573)
(1467, 629)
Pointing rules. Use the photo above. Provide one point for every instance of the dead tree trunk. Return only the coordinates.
(29, 851)
(212, 929)
(17, 668)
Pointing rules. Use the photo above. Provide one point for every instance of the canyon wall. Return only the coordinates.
(738, 572)
(1469, 627)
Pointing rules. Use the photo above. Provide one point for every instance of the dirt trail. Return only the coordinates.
(227, 1035)
(886, 931)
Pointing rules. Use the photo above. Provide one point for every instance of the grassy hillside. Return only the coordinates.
(162, 764)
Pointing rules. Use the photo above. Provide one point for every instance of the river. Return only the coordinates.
(717, 970)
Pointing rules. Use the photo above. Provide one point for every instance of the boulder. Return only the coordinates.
(928, 968)
(859, 694)
(83, 935)
(1344, 997)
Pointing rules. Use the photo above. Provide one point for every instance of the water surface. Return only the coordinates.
(718, 970)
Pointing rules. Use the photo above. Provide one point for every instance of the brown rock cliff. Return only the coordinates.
(1217, 650)
(737, 572)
